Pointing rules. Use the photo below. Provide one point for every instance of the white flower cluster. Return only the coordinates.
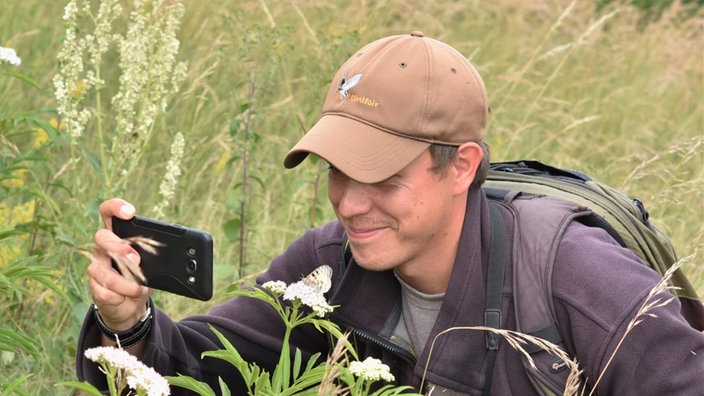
(73, 80)
(137, 375)
(309, 296)
(9, 55)
(276, 287)
(147, 59)
(306, 294)
(371, 369)
(167, 188)
(150, 73)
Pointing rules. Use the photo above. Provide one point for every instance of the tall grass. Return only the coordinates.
(607, 91)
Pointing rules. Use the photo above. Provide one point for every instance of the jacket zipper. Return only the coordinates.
(385, 344)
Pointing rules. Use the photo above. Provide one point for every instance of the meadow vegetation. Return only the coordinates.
(603, 87)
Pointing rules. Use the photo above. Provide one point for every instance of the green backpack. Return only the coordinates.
(562, 196)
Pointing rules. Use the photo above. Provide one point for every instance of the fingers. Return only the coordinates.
(108, 244)
(109, 287)
(116, 207)
(104, 276)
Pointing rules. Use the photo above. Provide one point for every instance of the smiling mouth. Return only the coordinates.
(363, 233)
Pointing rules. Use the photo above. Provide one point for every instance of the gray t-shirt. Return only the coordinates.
(418, 314)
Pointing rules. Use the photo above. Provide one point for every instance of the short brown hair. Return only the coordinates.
(443, 155)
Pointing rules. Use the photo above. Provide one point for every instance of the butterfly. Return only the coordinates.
(346, 84)
(320, 279)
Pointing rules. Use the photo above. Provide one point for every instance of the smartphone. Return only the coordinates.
(181, 258)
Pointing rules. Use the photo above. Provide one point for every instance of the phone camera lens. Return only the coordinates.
(191, 251)
(191, 266)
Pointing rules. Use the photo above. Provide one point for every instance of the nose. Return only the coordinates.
(350, 197)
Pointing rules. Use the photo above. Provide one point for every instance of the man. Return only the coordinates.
(403, 132)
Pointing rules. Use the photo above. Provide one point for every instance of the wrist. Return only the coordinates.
(131, 336)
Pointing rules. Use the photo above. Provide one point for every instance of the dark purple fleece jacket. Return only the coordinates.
(597, 287)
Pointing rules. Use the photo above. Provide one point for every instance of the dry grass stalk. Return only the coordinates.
(129, 270)
(147, 244)
(328, 384)
(518, 341)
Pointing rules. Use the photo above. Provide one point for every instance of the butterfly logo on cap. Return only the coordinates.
(320, 279)
(347, 83)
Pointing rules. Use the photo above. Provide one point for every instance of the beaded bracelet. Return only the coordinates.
(131, 336)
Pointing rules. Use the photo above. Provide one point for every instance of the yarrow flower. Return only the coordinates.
(138, 376)
(9, 55)
(276, 287)
(371, 369)
(148, 380)
(309, 296)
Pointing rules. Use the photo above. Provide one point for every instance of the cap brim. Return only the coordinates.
(359, 150)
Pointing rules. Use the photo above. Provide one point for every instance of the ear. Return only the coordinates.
(469, 156)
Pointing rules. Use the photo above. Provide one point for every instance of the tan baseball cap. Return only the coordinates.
(389, 102)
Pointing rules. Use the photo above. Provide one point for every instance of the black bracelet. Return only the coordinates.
(131, 336)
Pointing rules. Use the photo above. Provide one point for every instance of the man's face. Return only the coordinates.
(405, 222)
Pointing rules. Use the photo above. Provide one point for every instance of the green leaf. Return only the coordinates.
(25, 268)
(312, 361)
(224, 389)
(11, 340)
(297, 360)
(84, 386)
(312, 376)
(24, 78)
(232, 229)
(14, 386)
(249, 373)
(94, 160)
(234, 126)
(191, 384)
(9, 233)
(259, 181)
(48, 128)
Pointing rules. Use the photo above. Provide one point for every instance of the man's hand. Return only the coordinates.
(120, 301)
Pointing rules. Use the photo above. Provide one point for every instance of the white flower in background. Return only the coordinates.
(167, 188)
(74, 78)
(371, 369)
(308, 295)
(138, 376)
(150, 73)
(9, 55)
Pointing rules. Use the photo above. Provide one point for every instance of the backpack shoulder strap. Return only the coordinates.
(494, 289)
(539, 223)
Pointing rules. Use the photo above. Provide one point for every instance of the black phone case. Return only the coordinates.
(183, 264)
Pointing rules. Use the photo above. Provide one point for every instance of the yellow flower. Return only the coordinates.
(54, 122)
(11, 248)
(17, 179)
(40, 137)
